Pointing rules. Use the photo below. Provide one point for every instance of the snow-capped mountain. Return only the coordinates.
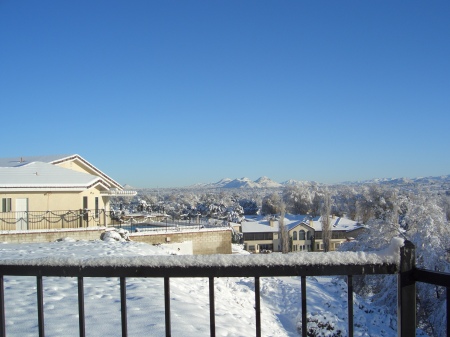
(292, 182)
(403, 181)
(267, 182)
(222, 182)
(241, 183)
(262, 182)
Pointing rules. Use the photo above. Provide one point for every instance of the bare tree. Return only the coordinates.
(284, 234)
(326, 222)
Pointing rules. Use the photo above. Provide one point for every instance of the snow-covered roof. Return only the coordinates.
(257, 227)
(292, 221)
(292, 225)
(337, 223)
(58, 159)
(44, 176)
(20, 161)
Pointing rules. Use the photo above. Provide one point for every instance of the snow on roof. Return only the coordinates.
(20, 161)
(40, 175)
(292, 225)
(292, 221)
(57, 159)
(258, 227)
(337, 223)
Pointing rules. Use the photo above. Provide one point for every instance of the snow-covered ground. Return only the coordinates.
(235, 316)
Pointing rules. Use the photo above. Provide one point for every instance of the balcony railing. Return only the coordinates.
(349, 264)
(48, 220)
(82, 218)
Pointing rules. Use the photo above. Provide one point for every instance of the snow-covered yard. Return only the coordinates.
(235, 316)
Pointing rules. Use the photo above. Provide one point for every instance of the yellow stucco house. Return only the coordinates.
(260, 236)
(307, 234)
(304, 232)
(51, 192)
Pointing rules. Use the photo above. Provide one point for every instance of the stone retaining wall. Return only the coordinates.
(50, 236)
(203, 241)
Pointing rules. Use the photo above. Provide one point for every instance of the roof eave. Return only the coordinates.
(84, 161)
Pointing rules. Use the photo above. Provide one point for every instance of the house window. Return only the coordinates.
(96, 207)
(258, 236)
(301, 235)
(294, 236)
(6, 205)
(308, 235)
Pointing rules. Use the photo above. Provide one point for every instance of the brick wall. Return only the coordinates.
(203, 241)
(50, 236)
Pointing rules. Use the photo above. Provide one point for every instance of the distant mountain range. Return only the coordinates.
(262, 182)
(405, 181)
(265, 182)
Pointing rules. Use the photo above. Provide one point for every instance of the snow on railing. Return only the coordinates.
(398, 258)
(388, 256)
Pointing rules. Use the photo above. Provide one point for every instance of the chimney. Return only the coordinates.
(311, 222)
(272, 223)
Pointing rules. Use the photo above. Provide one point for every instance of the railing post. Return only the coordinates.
(350, 304)
(406, 297)
(447, 294)
(212, 314)
(123, 306)
(167, 306)
(2, 308)
(257, 307)
(81, 317)
(304, 318)
(40, 305)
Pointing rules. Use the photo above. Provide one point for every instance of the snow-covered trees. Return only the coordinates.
(418, 218)
(271, 204)
(298, 199)
(249, 206)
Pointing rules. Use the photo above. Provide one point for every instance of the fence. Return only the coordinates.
(44, 220)
(255, 266)
(82, 218)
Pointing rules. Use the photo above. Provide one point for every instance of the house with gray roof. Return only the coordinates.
(304, 231)
(342, 230)
(51, 192)
(260, 236)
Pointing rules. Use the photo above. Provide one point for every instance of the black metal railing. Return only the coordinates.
(437, 279)
(82, 218)
(254, 266)
(62, 219)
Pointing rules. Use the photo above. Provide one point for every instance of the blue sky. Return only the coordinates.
(172, 93)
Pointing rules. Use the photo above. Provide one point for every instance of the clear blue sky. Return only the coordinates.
(172, 93)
